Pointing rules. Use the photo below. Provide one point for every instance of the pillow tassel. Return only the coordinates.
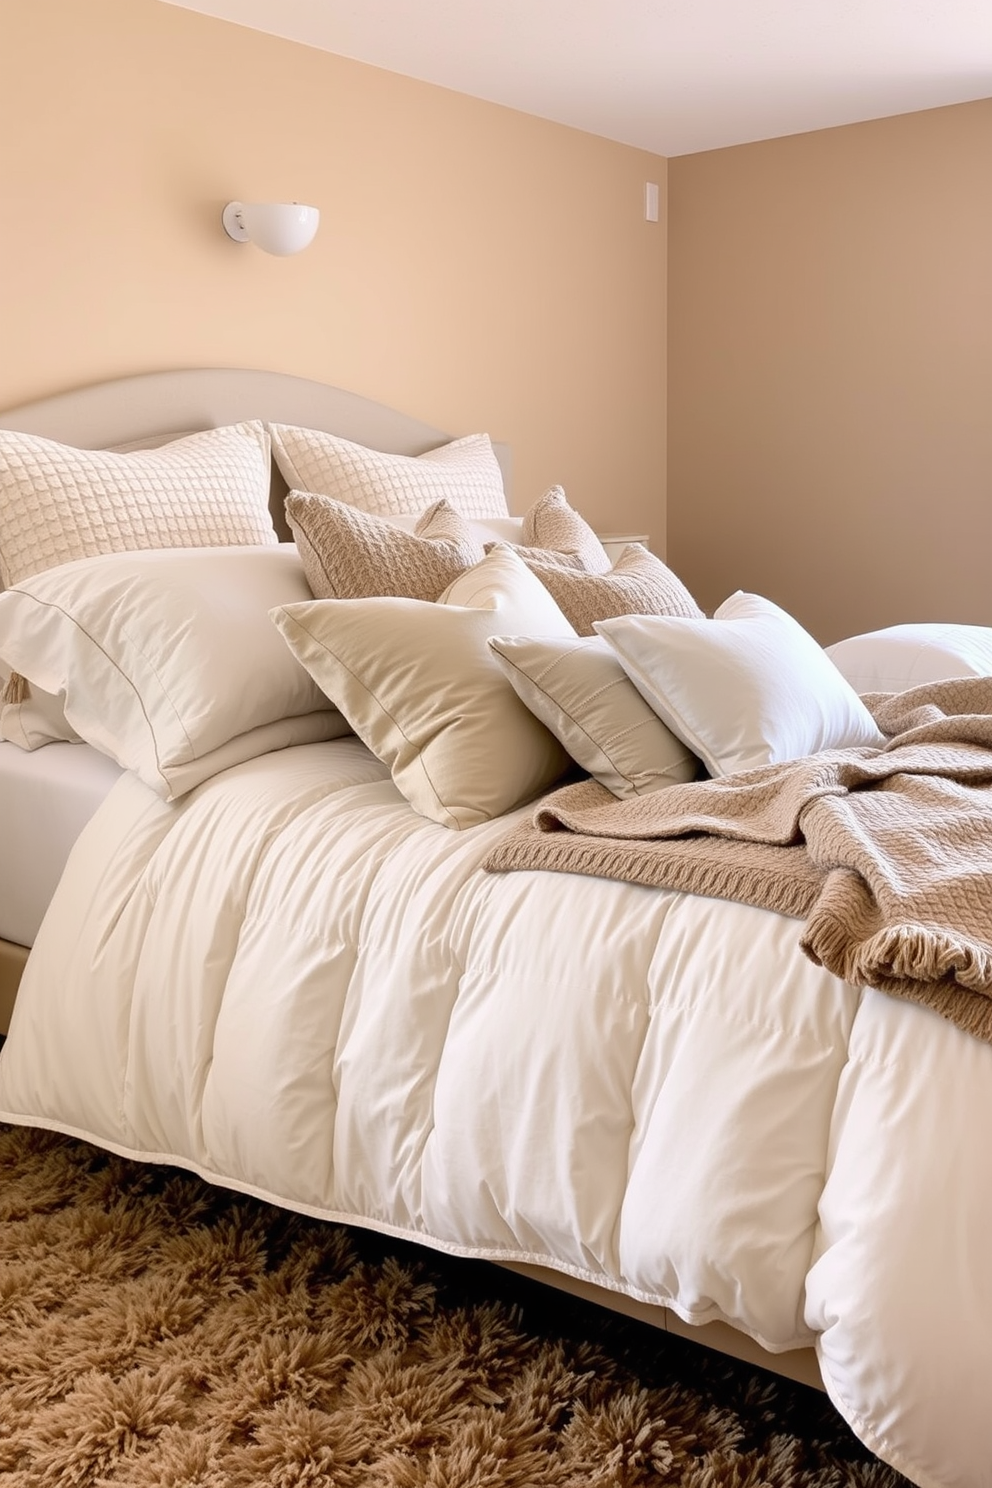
(16, 690)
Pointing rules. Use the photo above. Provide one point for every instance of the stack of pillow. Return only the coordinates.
(151, 611)
(407, 629)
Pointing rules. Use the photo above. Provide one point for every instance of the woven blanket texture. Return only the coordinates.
(885, 854)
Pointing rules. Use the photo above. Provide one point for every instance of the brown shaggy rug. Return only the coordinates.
(155, 1330)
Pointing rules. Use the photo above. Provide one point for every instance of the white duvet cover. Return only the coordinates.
(290, 983)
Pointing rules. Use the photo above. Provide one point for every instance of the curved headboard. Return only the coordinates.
(154, 406)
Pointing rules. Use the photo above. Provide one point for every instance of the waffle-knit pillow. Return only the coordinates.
(552, 523)
(638, 584)
(59, 503)
(350, 554)
(464, 472)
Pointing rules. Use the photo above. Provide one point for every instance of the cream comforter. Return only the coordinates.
(291, 983)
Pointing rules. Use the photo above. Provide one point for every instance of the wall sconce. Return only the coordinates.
(275, 227)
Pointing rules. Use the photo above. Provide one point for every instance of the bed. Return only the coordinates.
(275, 956)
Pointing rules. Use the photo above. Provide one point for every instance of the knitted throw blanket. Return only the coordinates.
(886, 854)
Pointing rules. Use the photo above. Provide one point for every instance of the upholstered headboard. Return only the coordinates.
(154, 406)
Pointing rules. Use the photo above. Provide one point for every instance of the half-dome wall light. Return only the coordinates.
(276, 227)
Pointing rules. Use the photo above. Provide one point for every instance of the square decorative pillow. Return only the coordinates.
(639, 583)
(350, 554)
(551, 524)
(578, 689)
(904, 656)
(748, 688)
(167, 659)
(420, 686)
(465, 472)
(58, 503)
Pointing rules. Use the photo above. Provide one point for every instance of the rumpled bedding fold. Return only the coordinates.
(885, 854)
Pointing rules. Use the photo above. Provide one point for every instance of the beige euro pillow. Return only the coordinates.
(351, 554)
(577, 688)
(420, 686)
(465, 472)
(59, 504)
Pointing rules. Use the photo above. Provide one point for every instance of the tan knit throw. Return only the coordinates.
(885, 853)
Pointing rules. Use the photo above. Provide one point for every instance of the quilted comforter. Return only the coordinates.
(292, 984)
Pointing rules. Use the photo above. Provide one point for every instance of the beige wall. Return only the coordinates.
(476, 267)
(830, 365)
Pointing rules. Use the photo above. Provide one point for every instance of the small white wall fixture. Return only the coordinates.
(281, 228)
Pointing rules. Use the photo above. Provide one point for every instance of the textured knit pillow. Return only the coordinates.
(638, 584)
(465, 472)
(748, 688)
(350, 554)
(552, 524)
(419, 685)
(442, 523)
(58, 503)
(578, 689)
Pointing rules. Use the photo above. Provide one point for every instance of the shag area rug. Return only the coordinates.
(156, 1330)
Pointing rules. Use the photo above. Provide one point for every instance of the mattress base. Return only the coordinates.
(799, 1364)
(12, 960)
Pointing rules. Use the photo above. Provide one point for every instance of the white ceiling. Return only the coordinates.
(671, 76)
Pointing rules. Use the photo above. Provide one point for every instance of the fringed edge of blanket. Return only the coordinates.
(692, 865)
(939, 970)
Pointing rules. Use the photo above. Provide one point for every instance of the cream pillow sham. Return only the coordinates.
(58, 503)
(464, 472)
(419, 685)
(350, 554)
(167, 659)
(639, 583)
(904, 656)
(748, 688)
(578, 689)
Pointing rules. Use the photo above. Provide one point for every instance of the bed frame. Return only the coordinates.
(148, 409)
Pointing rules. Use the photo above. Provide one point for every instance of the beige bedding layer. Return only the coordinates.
(886, 854)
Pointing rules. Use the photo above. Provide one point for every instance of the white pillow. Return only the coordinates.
(58, 503)
(465, 472)
(167, 658)
(418, 683)
(748, 688)
(904, 656)
(578, 689)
